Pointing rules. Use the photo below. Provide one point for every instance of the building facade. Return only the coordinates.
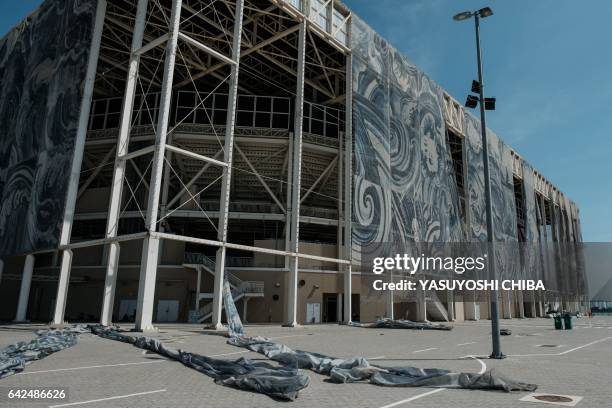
(151, 150)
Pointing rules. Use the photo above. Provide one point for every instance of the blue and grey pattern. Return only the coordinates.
(405, 189)
(43, 62)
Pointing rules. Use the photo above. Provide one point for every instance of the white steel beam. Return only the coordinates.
(292, 289)
(195, 156)
(206, 49)
(261, 180)
(150, 245)
(324, 174)
(103, 241)
(152, 44)
(209, 242)
(123, 141)
(243, 53)
(227, 171)
(77, 159)
(24, 291)
(96, 172)
(136, 153)
(193, 180)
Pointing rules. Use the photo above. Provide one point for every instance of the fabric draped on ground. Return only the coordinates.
(359, 369)
(386, 323)
(281, 382)
(261, 377)
(15, 357)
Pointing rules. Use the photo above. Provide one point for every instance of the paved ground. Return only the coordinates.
(109, 372)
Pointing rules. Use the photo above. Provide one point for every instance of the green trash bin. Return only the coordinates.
(567, 320)
(558, 322)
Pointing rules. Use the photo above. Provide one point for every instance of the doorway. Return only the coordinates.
(167, 311)
(330, 307)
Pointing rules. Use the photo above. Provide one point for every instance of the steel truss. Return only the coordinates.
(148, 51)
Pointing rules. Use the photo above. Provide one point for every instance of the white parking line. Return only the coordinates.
(416, 397)
(427, 349)
(106, 399)
(375, 358)
(483, 366)
(563, 352)
(465, 344)
(88, 367)
(229, 354)
(585, 345)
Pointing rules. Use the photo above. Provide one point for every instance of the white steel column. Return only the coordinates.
(289, 203)
(292, 289)
(227, 170)
(348, 189)
(150, 245)
(110, 283)
(62, 286)
(77, 159)
(198, 286)
(123, 141)
(24, 292)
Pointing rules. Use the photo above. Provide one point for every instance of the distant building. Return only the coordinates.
(147, 150)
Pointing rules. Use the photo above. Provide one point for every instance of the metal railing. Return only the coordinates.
(322, 124)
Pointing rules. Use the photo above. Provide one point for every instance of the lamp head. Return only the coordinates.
(485, 12)
(471, 101)
(463, 16)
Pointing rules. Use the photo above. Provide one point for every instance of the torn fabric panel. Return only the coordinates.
(15, 357)
(359, 369)
(234, 324)
(277, 382)
(386, 323)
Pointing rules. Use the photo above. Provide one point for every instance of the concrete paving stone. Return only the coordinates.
(97, 368)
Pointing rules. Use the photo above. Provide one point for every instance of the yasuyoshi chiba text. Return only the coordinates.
(459, 285)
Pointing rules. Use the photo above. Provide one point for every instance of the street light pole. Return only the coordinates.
(489, 204)
(495, 337)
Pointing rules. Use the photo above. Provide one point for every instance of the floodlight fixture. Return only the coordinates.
(471, 101)
(485, 12)
(463, 16)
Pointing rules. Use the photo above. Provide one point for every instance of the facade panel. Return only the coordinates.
(42, 68)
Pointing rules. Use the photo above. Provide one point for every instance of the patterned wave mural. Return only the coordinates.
(405, 189)
(404, 181)
(43, 62)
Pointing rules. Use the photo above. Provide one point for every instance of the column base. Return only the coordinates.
(294, 325)
(61, 325)
(218, 326)
(145, 329)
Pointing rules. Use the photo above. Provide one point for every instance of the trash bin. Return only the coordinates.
(567, 320)
(558, 322)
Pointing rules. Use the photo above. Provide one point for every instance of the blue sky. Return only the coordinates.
(547, 62)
